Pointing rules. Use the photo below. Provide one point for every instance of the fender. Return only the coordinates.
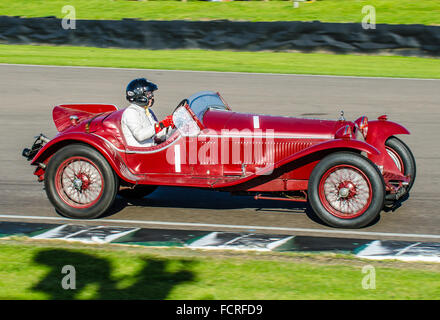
(61, 113)
(378, 133)
(380, 130)
(110, 154)
(331, 145)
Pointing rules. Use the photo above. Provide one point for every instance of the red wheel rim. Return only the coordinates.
(396, 159)
(79, 182)
(345, 191)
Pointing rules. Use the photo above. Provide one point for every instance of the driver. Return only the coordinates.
(139, 124)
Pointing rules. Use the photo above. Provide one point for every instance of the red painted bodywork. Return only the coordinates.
(297, 146)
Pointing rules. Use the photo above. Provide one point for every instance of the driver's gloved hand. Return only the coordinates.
(168, 121)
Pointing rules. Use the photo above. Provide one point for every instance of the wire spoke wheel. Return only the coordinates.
(79, 182)
(345, 191)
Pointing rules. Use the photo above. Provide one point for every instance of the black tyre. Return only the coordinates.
(80, 183)
(138, 192)
(346, 190)
(402, 157)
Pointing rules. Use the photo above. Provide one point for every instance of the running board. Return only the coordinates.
(259, 196)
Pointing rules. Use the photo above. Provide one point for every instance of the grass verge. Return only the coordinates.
(387, 11)
(32, 270)
(204, 60)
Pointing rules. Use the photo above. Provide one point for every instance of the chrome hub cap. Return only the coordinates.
(81, 182)
(344, 192)
(77, 184)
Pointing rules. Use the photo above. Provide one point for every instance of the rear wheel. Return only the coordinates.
(403, 158)
(346, 190)
(80, 183)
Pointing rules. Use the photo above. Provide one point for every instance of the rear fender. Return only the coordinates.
(62, 114)
(110, 154)
(378, 133)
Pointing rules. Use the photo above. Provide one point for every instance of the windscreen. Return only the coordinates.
(185, 123)
(204, 100)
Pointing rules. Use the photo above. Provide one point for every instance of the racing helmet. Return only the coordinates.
(140, 91)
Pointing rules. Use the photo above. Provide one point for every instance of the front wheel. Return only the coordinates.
(346, 190)
(80, 183)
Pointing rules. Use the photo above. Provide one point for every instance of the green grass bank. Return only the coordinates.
(33, 270)
(226, 61)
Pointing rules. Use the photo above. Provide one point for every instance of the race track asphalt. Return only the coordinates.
(28, 94)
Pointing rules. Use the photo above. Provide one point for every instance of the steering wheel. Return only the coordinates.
(181, 103)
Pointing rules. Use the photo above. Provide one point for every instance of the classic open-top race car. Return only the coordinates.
(347, 171)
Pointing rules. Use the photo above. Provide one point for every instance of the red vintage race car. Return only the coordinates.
(347, 171)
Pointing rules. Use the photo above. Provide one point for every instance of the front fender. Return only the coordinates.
(378, 133)
(111, 155)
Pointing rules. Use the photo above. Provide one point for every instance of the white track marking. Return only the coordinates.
(376, 251)
(278, 243)
(228, 226)
(51, 233)
(403, 258)
(210, 241)
(407, 248)
(237, 239)
(217, 72)
(205, 240)
(56, 233)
